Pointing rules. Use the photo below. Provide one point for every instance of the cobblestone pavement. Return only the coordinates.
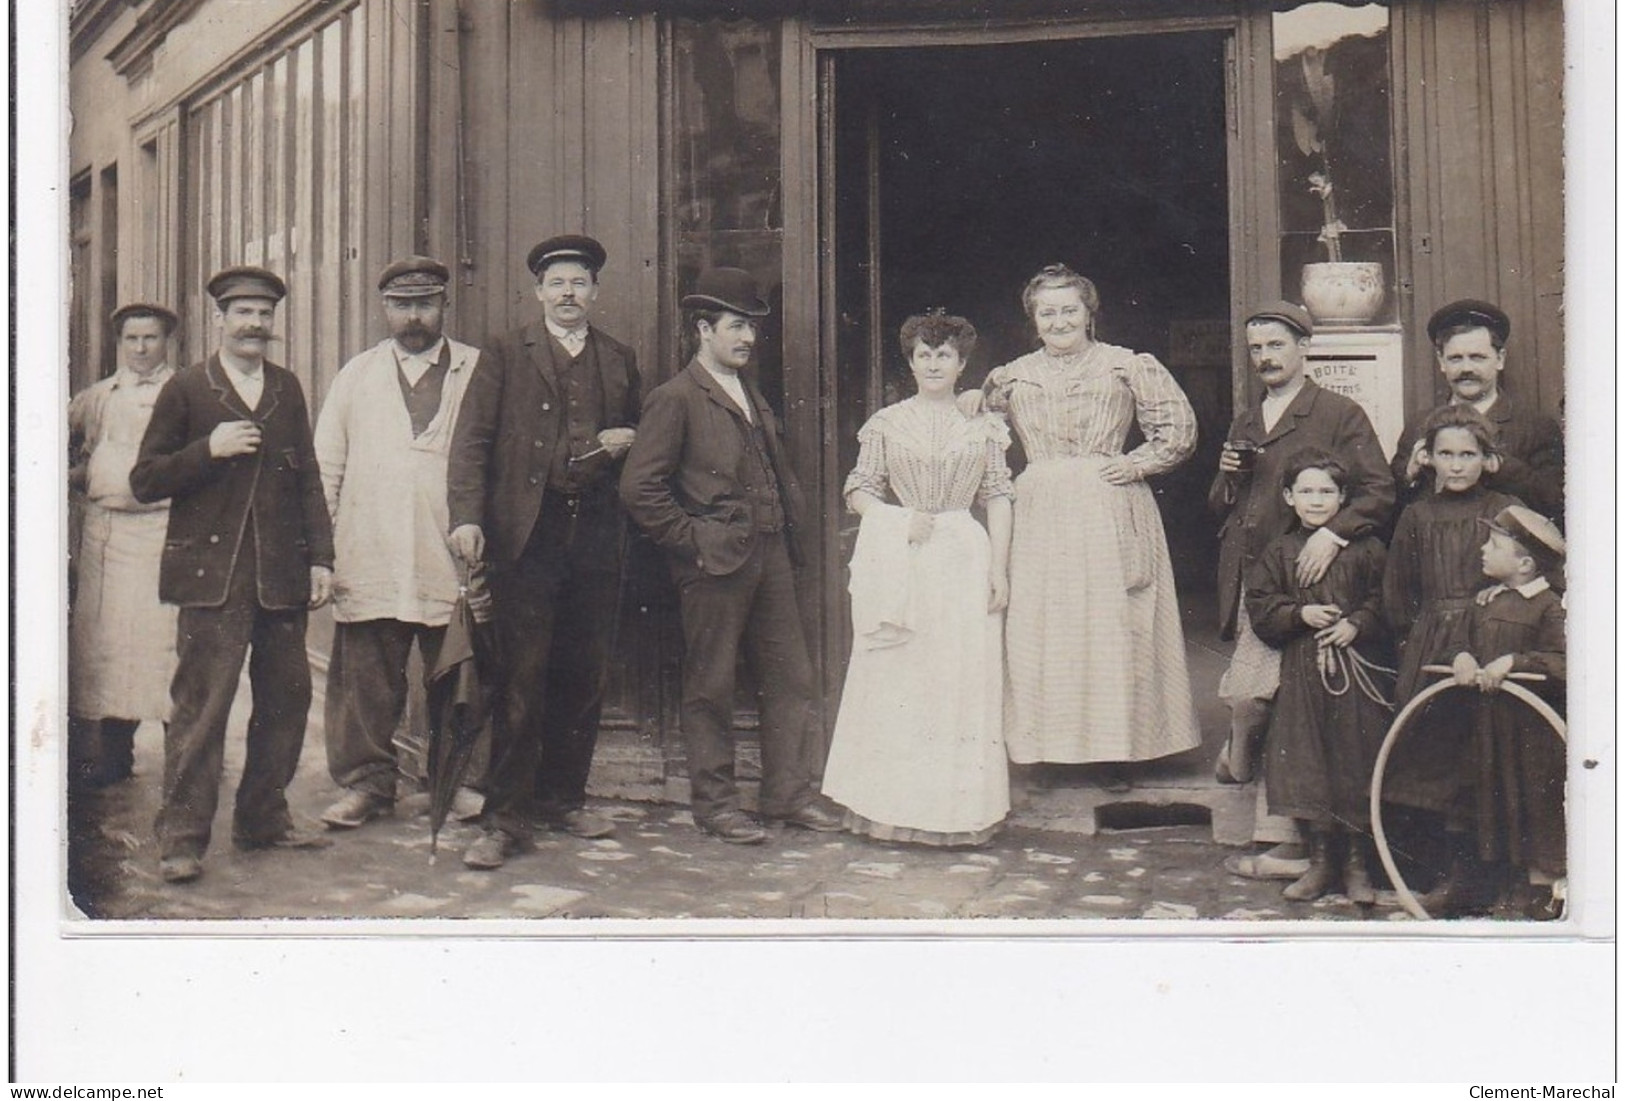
(657, 866)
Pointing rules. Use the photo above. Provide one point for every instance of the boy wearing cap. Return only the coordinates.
(121, 643)
(1291, 413)
(1469, 340)
(550, 411)
(1514, 770)
(382, 441)
(249, 551)
(709, 483)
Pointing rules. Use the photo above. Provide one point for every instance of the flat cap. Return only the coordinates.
(569, 246)
(414, 277)
(1471, 312)
(1534, 532)
(1287, 313)
(246, 282)
(145, 309)
(726, 289)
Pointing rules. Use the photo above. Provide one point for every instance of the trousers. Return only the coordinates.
(366, 695)
(211, 644)
(752, 610)
(554, 611)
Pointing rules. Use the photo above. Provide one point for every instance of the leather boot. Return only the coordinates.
(1459, 892)
(1322, 871)
(1356, 873)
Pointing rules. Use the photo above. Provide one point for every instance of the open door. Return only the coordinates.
(953, 173)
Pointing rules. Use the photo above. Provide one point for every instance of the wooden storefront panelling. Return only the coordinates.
(1482, 122)
(539, 124)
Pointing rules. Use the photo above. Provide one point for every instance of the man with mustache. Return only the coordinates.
(1469, 340)
(1290, 414)
(382, 441)
(550, 411)
(248, 552)
(709, 482)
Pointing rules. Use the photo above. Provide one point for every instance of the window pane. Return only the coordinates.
(728, 209)
(1333, 139)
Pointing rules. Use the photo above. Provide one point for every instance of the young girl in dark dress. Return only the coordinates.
(1329, 715)
(1433, 571)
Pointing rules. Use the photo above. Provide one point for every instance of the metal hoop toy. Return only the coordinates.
(1516, 691)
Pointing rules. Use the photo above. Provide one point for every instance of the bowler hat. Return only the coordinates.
(145, 309)
(1293, 316)
(1534, 533)
(726, 289)
(414, 277)
(1474, 313)
(246, 282)
(569, 246)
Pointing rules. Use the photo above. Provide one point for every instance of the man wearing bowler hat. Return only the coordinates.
(249, 550)
(1469, 341)
(550, 412)
(1290, 414)
(382, 440)
(709, 482)
(122, 639)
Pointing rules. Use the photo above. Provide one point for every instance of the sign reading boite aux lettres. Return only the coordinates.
(1366, 366)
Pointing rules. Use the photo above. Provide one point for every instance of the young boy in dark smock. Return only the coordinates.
(1329, 715)
(1513, 771)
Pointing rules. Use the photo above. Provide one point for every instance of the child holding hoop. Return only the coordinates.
(1515, 764)
(1434, 569)
(1330, 714)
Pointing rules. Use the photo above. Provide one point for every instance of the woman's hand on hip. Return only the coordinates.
(1120, 472)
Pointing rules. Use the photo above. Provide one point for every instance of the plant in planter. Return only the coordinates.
(1338, 291)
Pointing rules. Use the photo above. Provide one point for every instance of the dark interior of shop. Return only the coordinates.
(1106, 154)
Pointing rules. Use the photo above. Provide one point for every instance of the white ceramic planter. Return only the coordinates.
(1349, 292)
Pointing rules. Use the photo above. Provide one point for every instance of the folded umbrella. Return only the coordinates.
(459, 699)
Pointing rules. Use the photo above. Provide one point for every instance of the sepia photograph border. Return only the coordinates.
(94, 1000)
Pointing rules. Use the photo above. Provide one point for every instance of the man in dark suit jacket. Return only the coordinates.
(1469, 338)
(550, 410)
(1291, 414)
(709, 482)
(249, 550)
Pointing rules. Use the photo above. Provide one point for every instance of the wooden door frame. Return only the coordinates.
(809, 97)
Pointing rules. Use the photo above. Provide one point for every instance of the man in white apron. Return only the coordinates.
(121, 644)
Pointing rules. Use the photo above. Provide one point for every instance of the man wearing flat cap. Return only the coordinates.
(1290, 414)
(550, 411)
(121, 643)
(249, 551)
(1469, 340)
(709, 482)
(383, 440)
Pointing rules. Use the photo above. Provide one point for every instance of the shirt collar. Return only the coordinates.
(563, 334)
(244, 375)
(157, 376)
(1528, 590)
(429, 355)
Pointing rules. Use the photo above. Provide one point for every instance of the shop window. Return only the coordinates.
(80, 299)
(726, 192)
(1332, 94)
(275, 163)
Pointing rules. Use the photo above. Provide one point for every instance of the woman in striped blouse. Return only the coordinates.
(1094, 647)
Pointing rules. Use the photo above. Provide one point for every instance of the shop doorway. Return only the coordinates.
(959, 171)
